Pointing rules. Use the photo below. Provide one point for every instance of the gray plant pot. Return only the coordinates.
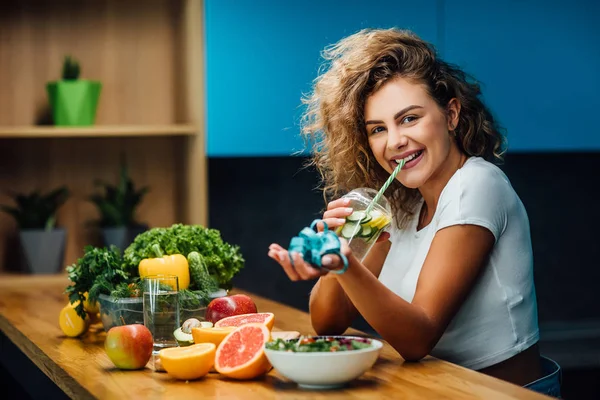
(43, 250)
(121, 236)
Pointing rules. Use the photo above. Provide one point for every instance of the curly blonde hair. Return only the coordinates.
(359, 65)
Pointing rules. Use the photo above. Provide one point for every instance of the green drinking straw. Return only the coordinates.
(384, 187)
(379, 194)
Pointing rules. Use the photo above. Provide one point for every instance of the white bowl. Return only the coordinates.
(324, 370)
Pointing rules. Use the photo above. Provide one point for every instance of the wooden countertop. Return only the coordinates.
(29, 309)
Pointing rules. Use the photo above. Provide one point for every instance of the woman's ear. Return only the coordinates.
(453, 113)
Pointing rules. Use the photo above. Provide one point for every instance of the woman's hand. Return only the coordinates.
(331, 312)
(301, 270)
(335, 216)
(296, 268)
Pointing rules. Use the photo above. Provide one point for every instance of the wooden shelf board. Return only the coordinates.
(25, 132)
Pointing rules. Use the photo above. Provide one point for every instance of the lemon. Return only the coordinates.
(90, 308)
(71, 323)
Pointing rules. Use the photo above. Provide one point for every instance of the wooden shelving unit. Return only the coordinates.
(37, 132)
(149, 57)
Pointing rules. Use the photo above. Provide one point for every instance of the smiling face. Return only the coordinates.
(403, 121)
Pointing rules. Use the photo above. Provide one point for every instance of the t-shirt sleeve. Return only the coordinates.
(476, 196)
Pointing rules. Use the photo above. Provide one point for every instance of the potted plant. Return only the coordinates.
(74, 101)
(43, 244)
(117, 206)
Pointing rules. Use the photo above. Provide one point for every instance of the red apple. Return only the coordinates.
(227, 306)
(129, 346)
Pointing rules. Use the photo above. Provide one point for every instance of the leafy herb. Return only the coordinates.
(99, 271)
(124, 289)
(189, 300)
(223, 260)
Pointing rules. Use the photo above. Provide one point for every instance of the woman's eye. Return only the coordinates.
(377, 129)
(409, 118)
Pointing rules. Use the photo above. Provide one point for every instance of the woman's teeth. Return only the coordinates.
(411, 157)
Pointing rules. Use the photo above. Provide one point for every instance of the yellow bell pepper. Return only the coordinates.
(175, 264)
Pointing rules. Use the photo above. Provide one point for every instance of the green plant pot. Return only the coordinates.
(74, 103)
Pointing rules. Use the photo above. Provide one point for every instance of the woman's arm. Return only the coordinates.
(455, 259)
(331, 311)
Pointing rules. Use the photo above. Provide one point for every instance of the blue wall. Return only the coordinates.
(538, 61)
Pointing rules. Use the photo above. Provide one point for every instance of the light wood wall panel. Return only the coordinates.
(130, 46)
(142, 52)
(195, 200)
(32, 164)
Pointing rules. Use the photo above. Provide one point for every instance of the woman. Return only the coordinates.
(455, 278)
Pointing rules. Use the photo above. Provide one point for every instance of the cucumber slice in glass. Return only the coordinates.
(366, 219)
(356, 216)
(350, 229)
(183, 339)
(366, 231)
(374, 232)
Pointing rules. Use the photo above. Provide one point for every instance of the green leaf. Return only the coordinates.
(117, 204)
(71, 69)
(50, 222)
(36, 211)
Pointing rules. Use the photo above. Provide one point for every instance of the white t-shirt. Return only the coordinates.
(499, 317)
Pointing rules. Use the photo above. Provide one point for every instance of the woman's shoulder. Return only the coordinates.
(478, 193)
(479, 168)
(480, 178)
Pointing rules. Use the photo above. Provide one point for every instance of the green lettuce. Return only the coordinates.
(223, 260)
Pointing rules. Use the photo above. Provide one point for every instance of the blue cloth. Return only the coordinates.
(314, 245)
(550, 383)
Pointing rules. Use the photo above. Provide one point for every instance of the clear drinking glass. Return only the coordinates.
(161, 309)
(362, 229)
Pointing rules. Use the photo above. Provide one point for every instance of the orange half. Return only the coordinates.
(189, 362)
(213, 335)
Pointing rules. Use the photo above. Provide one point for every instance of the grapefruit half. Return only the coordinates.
(265, 318)
(241, 355)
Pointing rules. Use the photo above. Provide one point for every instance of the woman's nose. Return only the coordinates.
(396, 139)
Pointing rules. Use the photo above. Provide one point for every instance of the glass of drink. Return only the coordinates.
(161, 309)
(361, 228)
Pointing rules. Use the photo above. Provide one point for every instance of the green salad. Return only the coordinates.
(319, 344)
